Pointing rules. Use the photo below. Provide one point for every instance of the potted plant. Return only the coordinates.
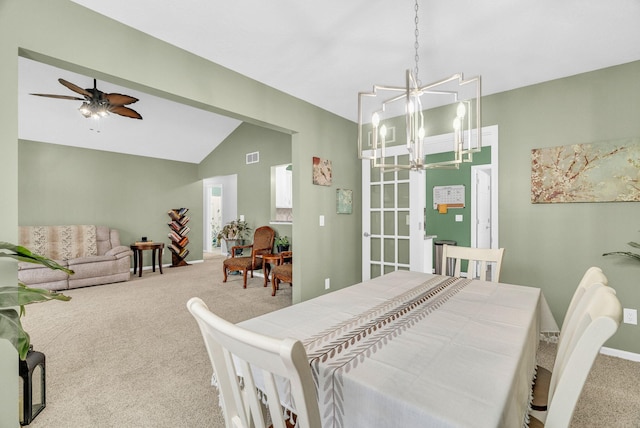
(16, 296)
(234, 233)
(282, 243)
(634, 256)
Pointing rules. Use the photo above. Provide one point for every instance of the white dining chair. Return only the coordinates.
(240, 357)
(597, 317)
(483, 263)
(592, 276)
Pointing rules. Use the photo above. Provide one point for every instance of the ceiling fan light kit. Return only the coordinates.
(97, 104)
(383, 107)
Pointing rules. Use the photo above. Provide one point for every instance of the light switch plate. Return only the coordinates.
(458, 217)
(321, 220)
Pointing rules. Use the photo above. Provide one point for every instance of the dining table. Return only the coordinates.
(412, 349)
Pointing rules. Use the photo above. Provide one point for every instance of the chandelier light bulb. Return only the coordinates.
(462, 110)
(375, 119)
(456, 124)
(421, 133)
(383, 131)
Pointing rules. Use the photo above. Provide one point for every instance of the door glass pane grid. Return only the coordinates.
(388, 215)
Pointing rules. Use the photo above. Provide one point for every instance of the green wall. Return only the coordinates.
(48, 32)
(444, 226)
(551, 246)
(68, 185)
(254, 180)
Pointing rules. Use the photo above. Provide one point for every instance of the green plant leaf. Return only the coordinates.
(17, 296)
(624, 253)
(24, 255)
(22, 295)
(11, 329)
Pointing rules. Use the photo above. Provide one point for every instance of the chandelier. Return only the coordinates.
(382, 110)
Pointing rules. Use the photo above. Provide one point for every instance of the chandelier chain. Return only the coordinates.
(417, 45)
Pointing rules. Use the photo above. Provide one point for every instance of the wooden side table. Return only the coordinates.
(139, 247)
(267, 260)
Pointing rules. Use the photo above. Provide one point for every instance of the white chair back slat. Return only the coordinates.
(259, 358)
(596, 318)
(593, 275)
(481, 262)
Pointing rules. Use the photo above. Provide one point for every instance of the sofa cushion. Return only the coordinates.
(60, 242)
(92, 259)
(38, 276)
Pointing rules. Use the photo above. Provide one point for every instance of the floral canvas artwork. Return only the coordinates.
(594, 172)
(322, 171)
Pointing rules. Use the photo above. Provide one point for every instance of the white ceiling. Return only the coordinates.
(326, 52)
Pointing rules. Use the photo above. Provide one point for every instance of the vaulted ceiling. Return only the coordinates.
(326, 52)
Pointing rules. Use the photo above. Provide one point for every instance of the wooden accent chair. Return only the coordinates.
(282, 272)
(487, 260)
(242, 360)
(262, 244)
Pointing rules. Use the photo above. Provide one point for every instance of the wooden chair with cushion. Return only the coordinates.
(592, 276)
(596, 318)
(484, 263)
(262, 244)
(242, 360)
(283, 272)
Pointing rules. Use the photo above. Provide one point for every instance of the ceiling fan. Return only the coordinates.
(97, 103)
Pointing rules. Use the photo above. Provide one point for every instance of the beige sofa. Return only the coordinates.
(94, 253)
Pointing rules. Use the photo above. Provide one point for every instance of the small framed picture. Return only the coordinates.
(321, 171)
(344, 201)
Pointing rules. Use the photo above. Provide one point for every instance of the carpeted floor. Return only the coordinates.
(130, 354)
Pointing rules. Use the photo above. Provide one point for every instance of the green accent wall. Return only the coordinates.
(69, 185)
(444, 226)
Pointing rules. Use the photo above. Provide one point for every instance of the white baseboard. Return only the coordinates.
(620, 354)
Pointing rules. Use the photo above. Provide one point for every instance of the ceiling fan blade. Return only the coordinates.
(76, 88)
(119, 99)
(62, 97)
(125, 111)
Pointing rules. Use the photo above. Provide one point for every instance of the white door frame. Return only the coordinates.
(229, 185)
(489, 139)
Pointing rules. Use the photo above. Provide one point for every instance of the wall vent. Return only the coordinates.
(253, 157)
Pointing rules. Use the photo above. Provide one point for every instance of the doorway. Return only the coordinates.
(220, 196)
(481, 213)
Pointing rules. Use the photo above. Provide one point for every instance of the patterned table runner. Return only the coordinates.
(340, 348)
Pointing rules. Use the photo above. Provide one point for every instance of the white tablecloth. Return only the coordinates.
(417, 350)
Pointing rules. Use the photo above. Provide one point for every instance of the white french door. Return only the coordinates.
(392, 217)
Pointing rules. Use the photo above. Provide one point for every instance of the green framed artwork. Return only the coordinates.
(596, 172)
(344, 201)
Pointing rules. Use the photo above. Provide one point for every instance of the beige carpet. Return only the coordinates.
(130, 354)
